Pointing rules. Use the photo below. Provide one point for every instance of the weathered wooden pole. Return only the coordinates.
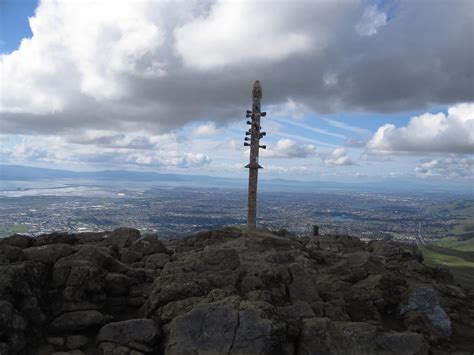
(253, 166)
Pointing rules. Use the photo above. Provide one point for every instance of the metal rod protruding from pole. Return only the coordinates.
(253, 166)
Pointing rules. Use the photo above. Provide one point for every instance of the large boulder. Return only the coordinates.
(395, 250)
(321, 336)
(10, 254)
(217, 259)
(10, 318)
(138, 334)
(148, 245)
(304, 285)
(407, 343)
(25, 285)
(77, 320)
(222, 328)
(357, 266)
(122, 237)
(23, 288)
(117, 284)
(48, 253)
(158, 260)
(17, 240)
(424, 313)
(53, 238)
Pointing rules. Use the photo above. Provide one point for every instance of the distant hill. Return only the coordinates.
(20, 172)
(460, 263)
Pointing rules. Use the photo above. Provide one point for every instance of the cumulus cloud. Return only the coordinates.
(451, 133)
(159, 65)
(225, 36)
(287, 149)
(453, 167)
(207, 129)
(372, 19)
(338, 158)
(105, 149)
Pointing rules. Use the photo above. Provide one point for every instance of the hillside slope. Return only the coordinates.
(225, 292)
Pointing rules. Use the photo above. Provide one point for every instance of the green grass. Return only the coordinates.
(465, 226)
(14, 228)
(460, 263)
(463, 242)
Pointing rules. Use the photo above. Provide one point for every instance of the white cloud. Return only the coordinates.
(236, 32)
(451, 133)
(81, 50)
(287, 149)
(207, 129)
(345, 126)
(452, 167)
(338, 158)
(372, 19)
(291, 109)
(157, 66)
(105, 149)
(307, 127)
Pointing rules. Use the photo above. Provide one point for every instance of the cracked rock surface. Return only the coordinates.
(226, 292)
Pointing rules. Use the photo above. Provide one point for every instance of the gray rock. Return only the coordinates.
(90, 237)
(129, 257)
(9, 254)
(77, 320)
(207, 329)
(17, 240)
(148, 245)
(76, 341)
(220, 328)
(87, 255)
(55, 340)
(158, 260)
(48, 253)
(42, 349)
(139, 334)
(122, 237)
(407, 343)
(218, 260)
(297, 311)
(395, 250)
(25, 282)
(117, 284)
(425, 300)
(116, 349)
(10, 318)
(53, 238)
(250, 283)
(303, 286)
(320, 335)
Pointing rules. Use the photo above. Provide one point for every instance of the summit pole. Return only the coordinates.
(253, 166)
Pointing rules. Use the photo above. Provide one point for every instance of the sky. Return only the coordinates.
(354, 90)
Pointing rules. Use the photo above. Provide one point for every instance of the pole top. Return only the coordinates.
(257, 91)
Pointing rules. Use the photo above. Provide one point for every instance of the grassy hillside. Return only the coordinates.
(14, 228)
(461, 263)
(461, 214)
(461, 243)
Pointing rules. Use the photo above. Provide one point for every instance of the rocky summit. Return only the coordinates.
(226, 292)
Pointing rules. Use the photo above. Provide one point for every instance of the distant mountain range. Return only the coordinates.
(20, 172)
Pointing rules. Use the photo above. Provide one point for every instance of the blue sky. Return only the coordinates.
(165, 86)
(14, 22)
